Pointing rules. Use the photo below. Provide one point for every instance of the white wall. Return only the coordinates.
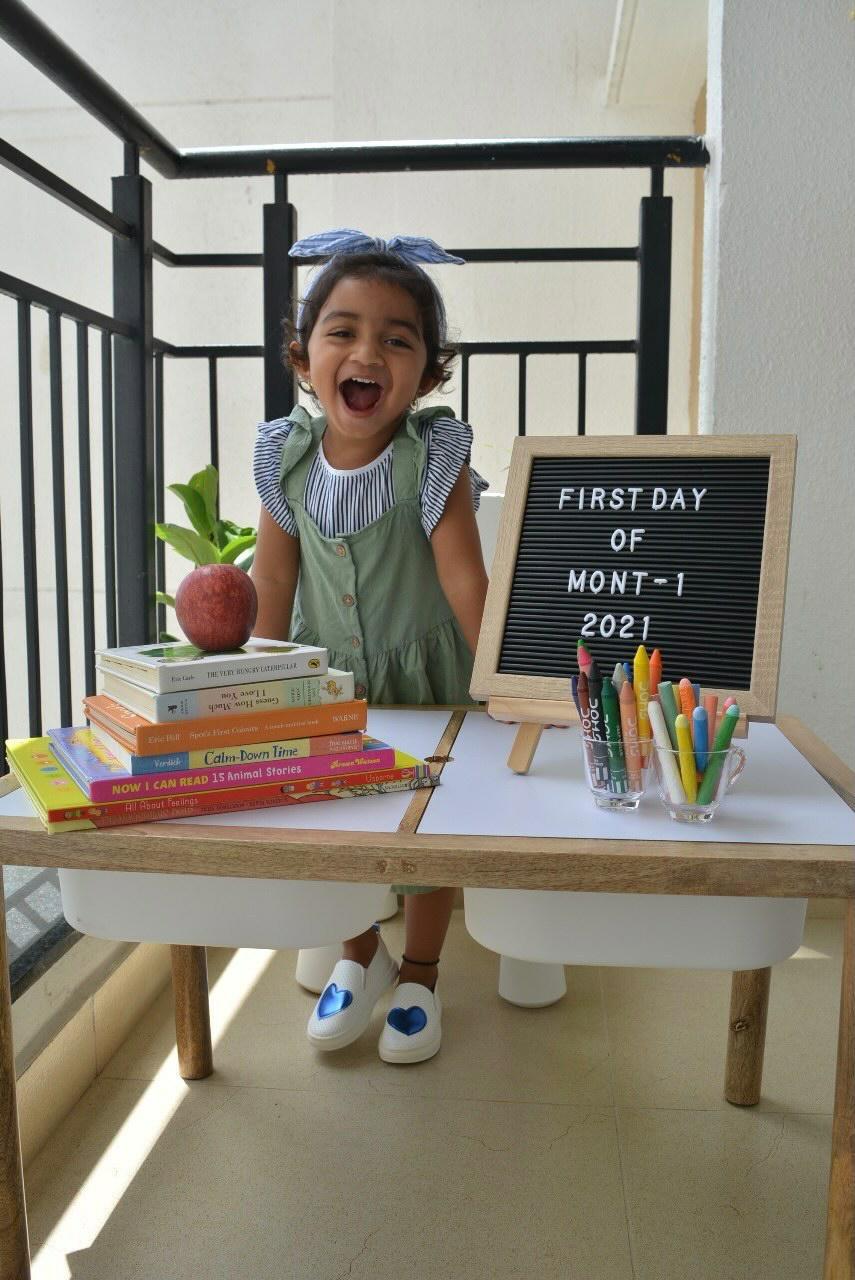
(779, 307)
(286, 72)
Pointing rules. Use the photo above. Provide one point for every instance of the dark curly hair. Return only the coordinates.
(390, 269)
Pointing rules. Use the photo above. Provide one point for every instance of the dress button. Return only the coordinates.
(348, 599)
(355, 641)
(360, 691)
(341, 549)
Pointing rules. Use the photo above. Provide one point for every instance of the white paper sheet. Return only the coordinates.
(780, 798)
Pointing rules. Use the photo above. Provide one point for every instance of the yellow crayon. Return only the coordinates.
(641, 686)
(686, 755)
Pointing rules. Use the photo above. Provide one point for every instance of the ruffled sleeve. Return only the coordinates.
(449, 447)
(266, 465)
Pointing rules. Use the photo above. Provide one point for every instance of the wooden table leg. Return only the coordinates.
(840, 1226)
(746, 1036)
(192, 1014)
(14, 1244)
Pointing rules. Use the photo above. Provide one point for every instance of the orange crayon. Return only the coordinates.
(655, 671)
(687, 698)
(711, 704)
(629, 731)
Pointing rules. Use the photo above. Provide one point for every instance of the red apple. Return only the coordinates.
(216, 606)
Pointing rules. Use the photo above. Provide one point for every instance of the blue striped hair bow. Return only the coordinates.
(325, 244)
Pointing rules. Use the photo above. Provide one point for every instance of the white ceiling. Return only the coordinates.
(658, 53)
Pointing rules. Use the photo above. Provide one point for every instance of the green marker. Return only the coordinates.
(611, 717)
(712, 773)
(670, 710)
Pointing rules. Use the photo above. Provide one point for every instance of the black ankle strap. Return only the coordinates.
(428, 964)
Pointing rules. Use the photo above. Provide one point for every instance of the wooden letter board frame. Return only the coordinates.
(535, 701)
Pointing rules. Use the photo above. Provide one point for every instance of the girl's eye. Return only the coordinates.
(339, 333)
(399, 342)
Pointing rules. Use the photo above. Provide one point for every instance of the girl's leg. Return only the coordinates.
(362, 948)
(427, 916)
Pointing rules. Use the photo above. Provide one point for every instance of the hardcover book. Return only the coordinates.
(144, 738)
(226, 700)
(165, 668)
(62, 806)
(102, 779)
(327, 744)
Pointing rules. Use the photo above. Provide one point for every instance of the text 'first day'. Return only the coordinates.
(631, 498)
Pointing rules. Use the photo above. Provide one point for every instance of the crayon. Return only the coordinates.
(585, 721)
(611, 720)
(627, 668)
(687, 697)
(599, 747)
(583, 657)
(696, 689)
(668, 703)
(618, 676)
(641, 685)
(629, 730)
(728, 702)
(574, 693)
(655, 671)
(711, 704)
(670, 772)
(686, 756)
(712, 773)
(701, 737)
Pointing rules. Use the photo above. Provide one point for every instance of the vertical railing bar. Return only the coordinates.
(159, 490)
(109, 488)
(583, 392)
(28, 517)
(4, 705)
(85, 473)
(464, 386)
(63, 651)
(213, 412)
(657, 181)
(522, 392)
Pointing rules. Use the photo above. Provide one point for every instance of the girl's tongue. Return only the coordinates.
(360, 396)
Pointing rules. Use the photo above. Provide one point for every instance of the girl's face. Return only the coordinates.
(367, 358)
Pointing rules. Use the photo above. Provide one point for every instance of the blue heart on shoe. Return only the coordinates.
(333, 1000)
(408, 1021)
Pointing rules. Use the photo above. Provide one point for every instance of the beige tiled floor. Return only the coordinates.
(588, 1141)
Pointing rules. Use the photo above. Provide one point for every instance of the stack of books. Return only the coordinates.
(180, 733)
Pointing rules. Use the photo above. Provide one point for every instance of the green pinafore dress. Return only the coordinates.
(373, 598)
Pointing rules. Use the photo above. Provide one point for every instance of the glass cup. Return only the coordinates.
(612, 784)
(726, 767)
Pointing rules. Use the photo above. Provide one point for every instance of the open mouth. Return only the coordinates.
(361, 395)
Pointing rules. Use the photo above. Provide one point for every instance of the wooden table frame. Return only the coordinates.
(611, 866)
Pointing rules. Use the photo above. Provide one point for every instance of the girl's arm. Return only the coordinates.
(459, 560)
(275, 567)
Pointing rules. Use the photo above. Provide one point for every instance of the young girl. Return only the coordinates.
(367, 545)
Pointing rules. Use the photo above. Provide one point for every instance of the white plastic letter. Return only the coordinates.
(565, 493)
(576, 581)
(600, 580)
(660, 497)
(618, 540)
(635, 536)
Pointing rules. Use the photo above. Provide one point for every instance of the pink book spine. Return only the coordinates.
(223, 777)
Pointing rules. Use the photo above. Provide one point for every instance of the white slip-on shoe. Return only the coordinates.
(348, 999)
(412, 1031)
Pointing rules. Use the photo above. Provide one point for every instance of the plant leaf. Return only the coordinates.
(194, 505)
(165, 638)
(233, 549)
(187, 543)
(206, 482)
(244, 559)
(161, 597)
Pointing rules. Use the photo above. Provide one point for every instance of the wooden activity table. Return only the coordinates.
(677, 864)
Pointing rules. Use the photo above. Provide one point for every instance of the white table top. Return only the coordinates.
(416, 732)
(780, 798)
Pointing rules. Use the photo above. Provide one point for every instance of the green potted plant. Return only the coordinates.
(210, 540)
